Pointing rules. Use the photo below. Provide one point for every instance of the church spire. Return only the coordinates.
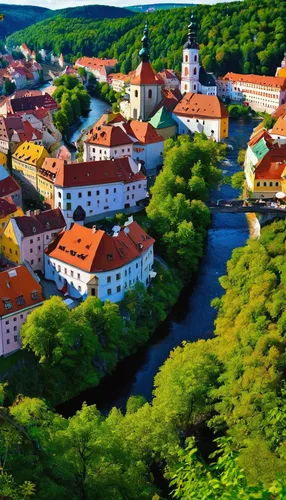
(144, 52)
(191, 42)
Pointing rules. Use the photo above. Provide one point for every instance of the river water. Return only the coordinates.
(192, 317)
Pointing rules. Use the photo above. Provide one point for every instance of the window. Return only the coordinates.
(93, 292)
(89, 203)
(114, 190)
(20, 301)
(8, 331)
(89, 193)
(136, 93)
(258, 184)
(68, 196)
(38, 238)
(72, 273)
(79, 195)
(130, 282)
(97, 193)
(39, 259)
(32, 262)
(128, 188)
(8, 341)
(22, 316)
(118, 289)
(150, 94)
(68, 206)
(186, 71)
(109, 291)
(108, 279)
(66, 271)
(60, 195)
(195, 87)
(122, 150)
(59, 205)
(133, 187)
(15, 338)
(118, 276)
(264, 183)
(31, 241)
(270, 183)
(186, 58)
(7, 304)
(7, 322)
(14, 319)
(15, 328)
(35, 295)
(127, 197)
(79, 288)
(59, 269)
(125, 272)
(107, 191)
(195, 71)
(195, 58)
(276, 183)
(39, 248)
(78, 276)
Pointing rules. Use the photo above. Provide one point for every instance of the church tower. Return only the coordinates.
(145, 85)
(190, 65)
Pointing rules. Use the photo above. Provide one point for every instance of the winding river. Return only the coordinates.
(192, 317)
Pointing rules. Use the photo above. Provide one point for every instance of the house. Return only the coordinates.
(118, 81)
(278, 131)
(100, 68)
(25, 237)
(8, 209)
(202, 113)
(259, 145)
(261, 93)
(171, 79)
(163, 123)
(27, 160)
(25, 50)
(94, 188)
(83, 261)
(269, 174)
(105, 141)
(46, 178)
(194, 77)
(14, 130)
(9, 187)
(20, 293)
(27, 101)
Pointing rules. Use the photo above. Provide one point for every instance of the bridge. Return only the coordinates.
(238, 207)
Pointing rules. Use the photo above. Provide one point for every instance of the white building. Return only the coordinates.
(85, 190)
(170, 78)
(194, 77)
(202, 113)
(100, 68)
(91, 262)
(105, 141)
(261, 93)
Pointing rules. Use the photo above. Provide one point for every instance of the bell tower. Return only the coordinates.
(190, 65)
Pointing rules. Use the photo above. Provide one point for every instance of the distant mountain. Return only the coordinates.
(18, 17)
(158, 6)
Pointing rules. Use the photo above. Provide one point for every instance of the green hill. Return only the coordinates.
(157, 6)
(18, 17)
(247, 37)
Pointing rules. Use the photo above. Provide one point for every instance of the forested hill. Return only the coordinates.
(18, 17)
(246, 37)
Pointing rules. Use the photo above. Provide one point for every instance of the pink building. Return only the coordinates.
(20, 293)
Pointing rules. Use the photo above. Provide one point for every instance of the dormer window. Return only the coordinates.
(35, 295)
(109, 257)
(20, 300)
(7, 304)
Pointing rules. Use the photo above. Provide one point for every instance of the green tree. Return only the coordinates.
(9, 87)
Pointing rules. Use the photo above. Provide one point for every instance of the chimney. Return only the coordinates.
(93, 229)
(28, 213)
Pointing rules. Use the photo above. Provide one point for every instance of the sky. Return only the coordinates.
(60, 4)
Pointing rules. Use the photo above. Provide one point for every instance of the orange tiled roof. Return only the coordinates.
(144, 132)
(95, 62)
(146, 75)
(96, 173)
(259, 134)
(108, 136)
(98, 251)
(18, 282)
(208, 106)
(270, 81)
(280, 111)
(120, 76)
(272, 165)
(279, 127)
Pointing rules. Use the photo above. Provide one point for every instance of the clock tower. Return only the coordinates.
(190, 65)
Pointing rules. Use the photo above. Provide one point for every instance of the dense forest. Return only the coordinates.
(246, 36)
(228, 391)
(18, 17)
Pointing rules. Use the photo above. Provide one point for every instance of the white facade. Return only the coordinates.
(190, 71)
(99, 199)
(111, 284)
(150, 154)
(143, 100)
(211, 127)
(95, 152)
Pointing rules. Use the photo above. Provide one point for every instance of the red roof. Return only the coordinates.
(95, 62)
(18, 282)
(279, 128)
(108, 136)
(268, 81)
(145, 75)
(272, 165)
(207, 106)
(280, 111)
(8, 186)
(97, 251)
(40, 223)
(143, 132)
(7, 207)
(260, 134)
(96, 173)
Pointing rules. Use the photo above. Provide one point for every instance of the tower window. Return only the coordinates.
(186, 58)
(195, 71)
(150, 94)
(136, 93)
(195, 58)
(186, 71)
(186, 87)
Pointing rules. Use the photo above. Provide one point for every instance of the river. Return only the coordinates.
(192, 317)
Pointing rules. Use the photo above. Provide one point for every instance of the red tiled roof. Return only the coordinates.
(8, 186)
(38, 224)
(30, 103)
(271, 81)
(146, 75)
(144, 132)
(96, 173)
(95, 62)
(280, 111)
(279, 128)
(272, 165)
(7, 206)
(108, 136)
(18, 282)
(97, 251)
(50, 168)
(208, 106)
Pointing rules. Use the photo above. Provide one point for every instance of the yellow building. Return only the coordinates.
(27, 159)
(3, 159)
(269, 175)
(8, 209)
(9, 246)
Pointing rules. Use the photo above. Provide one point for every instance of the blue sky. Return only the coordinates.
(59, 4)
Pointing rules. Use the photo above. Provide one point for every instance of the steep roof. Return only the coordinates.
(207, 106)
(96, 172)
(206, 79)
(8, 186)
(30, 153)
(39, 223)
(258, 135)
(272, 164)
(18, 282)
(268, 81)
(146, 75)
(29, 103)
(108, 136)
(162, 119)
(280, 111)
(97, 251)
(143, 132)
(279, 128)
(7, 207)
